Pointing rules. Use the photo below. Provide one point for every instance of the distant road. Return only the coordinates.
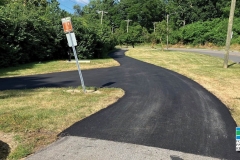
(233, 55)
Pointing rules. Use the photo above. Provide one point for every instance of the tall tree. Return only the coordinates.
(78, 10)
(3, 2)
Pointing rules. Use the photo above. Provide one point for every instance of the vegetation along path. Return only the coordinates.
(160, 109)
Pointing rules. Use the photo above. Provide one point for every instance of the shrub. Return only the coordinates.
(214, 31)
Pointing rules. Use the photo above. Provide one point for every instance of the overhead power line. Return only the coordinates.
(66, 7)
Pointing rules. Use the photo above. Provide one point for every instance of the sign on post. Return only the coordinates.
(67, 27)
(67, 24)
(73, 39)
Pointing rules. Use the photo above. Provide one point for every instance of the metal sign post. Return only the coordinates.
(67, 26)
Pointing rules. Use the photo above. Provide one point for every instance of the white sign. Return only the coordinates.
(73, 39)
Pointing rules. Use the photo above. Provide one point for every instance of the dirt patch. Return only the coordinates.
(93, 91)
(74, 91)
(41, 138)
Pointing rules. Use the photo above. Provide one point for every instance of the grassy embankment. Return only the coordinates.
(31, 119)
(205, 70)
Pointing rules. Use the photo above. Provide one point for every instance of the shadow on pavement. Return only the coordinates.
(4, 150)
(107, 84)
(176, 158)
(36, 81)
(117, 54)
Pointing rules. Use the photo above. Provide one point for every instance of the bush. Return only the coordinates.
(30, 34)
(34, 33)
(206, 32)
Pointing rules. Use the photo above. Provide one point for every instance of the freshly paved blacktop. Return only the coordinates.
(166, 112)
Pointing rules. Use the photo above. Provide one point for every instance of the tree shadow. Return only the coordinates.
(230, 65)
(107, 84)
(7, 71)
(32, 82)
(4, 150)
(175, 157)
(117, 54)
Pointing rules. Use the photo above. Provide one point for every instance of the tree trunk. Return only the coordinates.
(161, 44)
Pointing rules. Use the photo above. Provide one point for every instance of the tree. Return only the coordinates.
(161, 31)
(77, 10)
(134, 34)
(31, 28)
(3, 2)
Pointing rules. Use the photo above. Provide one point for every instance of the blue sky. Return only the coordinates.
(67, 5)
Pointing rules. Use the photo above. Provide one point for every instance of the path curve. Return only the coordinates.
(160, 109)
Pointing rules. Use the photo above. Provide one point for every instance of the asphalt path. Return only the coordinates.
(160, 109)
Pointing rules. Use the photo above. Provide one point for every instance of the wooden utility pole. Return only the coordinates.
(229, 33)
(167, 29)
(102, 15)
(154, 25)
(128, 23)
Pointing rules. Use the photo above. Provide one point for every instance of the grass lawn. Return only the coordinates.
(54, 66)
(205, 70)
(35, 116)
(31, 119)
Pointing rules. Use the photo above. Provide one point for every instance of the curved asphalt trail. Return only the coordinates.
(160, 109)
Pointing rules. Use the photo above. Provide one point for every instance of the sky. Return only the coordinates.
(67, 5)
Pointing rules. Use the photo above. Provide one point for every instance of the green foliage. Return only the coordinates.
(191, 19)
(214, 31)
(78, 10)
(120, 36)
(133, 36)
(236, 31)
(95, 39)
(32, 33)
(190, 11)
(3, 2)
(161, 29)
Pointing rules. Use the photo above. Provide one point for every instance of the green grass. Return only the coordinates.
(32, 118)
(54, 66)
(205, 70)
(36, 116)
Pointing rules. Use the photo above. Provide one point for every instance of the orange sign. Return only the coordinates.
(67, 27)
(67, 24)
